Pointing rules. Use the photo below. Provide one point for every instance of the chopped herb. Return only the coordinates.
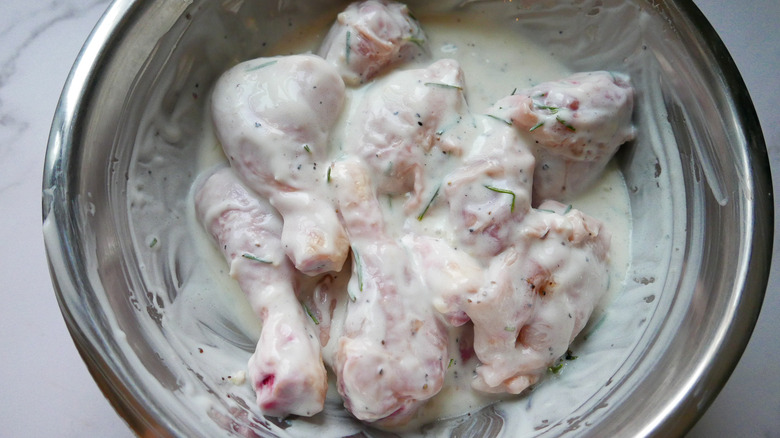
(311, 315)
(509, 329)
(307, 148)
(419, 42)
(545, 210)
(359, 269)
(254, 258)
(570, 356)
(564, 123)
(508, 192)
(508, 122)
(452, 362)
(436, 193)
(153, 243)
(263, 65)
(555, 369)
(552, 109)
(328, 177)
(439, 84)
(513, 92)
(538, 125)
(568, 209)
(348, 49)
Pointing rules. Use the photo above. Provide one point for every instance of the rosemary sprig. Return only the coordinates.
(263, 65)
(442, 85)
(551, 109)
(436, 193)
(565, 124)
(508, 122)
(416, 41)
(254, 258)
(505, 191)
(536, 126)
(359, 269)
(311, 315)
(348, 48)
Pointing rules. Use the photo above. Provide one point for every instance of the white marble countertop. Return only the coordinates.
(46, 389)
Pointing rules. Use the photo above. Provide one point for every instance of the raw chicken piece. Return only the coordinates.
(577, 124)
(273, 117)
(490, 194)
(537, 297)
(411, 123)
(286, 369)
(391, 357)
(449, 275)
(370, 36)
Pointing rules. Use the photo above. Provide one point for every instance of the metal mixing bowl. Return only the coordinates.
(698, 179)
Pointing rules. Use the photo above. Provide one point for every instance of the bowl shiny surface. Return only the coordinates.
(698, 180)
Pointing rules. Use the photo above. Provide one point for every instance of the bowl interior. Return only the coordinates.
(133, 131)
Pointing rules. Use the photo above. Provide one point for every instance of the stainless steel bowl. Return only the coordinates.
(698, 176)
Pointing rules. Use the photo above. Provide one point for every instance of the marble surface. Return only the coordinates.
(45, 387)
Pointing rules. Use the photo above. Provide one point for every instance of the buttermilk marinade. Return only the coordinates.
(404, 213)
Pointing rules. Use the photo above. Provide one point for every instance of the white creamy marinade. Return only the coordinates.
(371, 147)
(406, 228)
